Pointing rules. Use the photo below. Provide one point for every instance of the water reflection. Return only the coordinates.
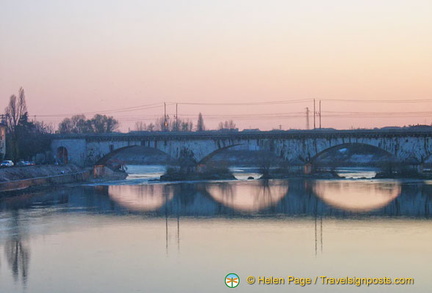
(335, 198)
(357, 196)
(239, 198)
(16, 249)
(143, 198)
(289, 211)
(251, 196)
(357, 172)
(168, 235)
(318, 234)
(245, 173)
(144, 172)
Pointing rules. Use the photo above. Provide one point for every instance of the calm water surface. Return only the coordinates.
(141, 236)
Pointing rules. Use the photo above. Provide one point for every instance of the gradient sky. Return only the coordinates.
(79, 56)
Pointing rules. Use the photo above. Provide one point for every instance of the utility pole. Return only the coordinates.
(314, 112)
(177, 123)
(307, 118)
(320, 114)
(165, 118)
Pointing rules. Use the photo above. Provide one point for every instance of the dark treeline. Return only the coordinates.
(29, 140)
(79, 124)
(177, 124)
(165, 124)
(24, 138)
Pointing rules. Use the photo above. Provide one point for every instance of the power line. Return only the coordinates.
(379, 113)
(120, 110)
(409, 101)
(261, 116)
(251, 115)
(280, 102)
(245, 103)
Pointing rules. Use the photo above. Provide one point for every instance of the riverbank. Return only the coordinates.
(19, 178)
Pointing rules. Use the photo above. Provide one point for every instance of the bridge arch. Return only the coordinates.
(104, 160)
(363, 147)
(62, 155)
(214, 153)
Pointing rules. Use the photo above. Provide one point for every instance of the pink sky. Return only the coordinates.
(76, 57)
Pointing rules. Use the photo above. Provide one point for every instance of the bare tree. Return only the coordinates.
(42, 127)
(75, 124)
(227, 125)
(200, 123)
(163, 123)
(140, 126)
(167, 124)
(103, 124)
(151, 127)
(79, 124)
(186, 125)
(15, 110)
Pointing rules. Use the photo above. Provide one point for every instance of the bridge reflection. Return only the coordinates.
(316, 200)
(334, 198)
(141, 197)
(248, 196)
(294, 197)
(357, 196)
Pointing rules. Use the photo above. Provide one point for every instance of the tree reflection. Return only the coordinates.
(18, 256)
(17, 251)
(186, 193)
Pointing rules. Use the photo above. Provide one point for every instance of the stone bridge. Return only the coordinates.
(404, 144)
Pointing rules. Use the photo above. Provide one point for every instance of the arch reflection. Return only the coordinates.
(248, 196)
(141, 198)
(357, 196)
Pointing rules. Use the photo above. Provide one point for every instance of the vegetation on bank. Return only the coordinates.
(29, 140)
(79, 124)
(24, 138)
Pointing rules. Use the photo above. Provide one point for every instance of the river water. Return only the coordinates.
(143, 236)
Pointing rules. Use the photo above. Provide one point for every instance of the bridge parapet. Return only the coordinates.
(404, 144)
